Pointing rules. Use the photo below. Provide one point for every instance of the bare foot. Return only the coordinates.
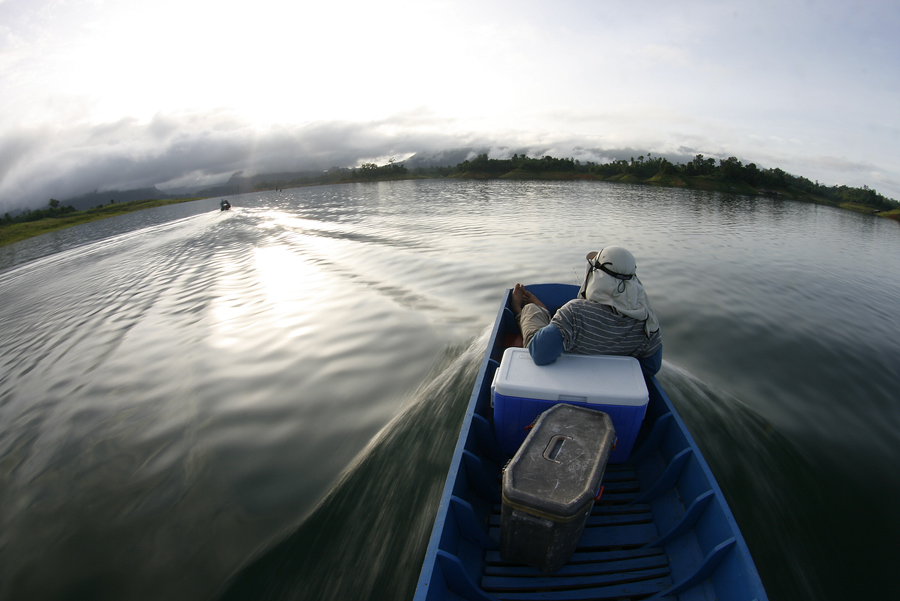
(522, 297)
(530, 298)
(518, 298)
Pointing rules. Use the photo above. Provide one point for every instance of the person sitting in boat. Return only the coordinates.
(610, 316)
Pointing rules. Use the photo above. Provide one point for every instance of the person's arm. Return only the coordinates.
(546, 345)
(543, 339)
(651, 364)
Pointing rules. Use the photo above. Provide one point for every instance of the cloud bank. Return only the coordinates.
(93, 99)
(183, 151)
(190, 151)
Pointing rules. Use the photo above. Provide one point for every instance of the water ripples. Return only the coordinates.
(283, 381)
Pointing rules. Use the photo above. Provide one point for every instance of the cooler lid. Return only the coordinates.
(557, 470)
(596, 379)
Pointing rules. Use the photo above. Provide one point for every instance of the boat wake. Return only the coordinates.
(367, 538)
(756, 466)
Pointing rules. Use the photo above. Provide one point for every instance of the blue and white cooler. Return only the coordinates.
(521, 391)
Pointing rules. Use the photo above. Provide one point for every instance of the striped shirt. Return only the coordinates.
(589, 328)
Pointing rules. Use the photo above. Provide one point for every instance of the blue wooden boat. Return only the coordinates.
(662, 528)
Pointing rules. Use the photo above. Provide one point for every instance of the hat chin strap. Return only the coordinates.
(605, 290)
(591, 278)
(619, 276)
(582, 292)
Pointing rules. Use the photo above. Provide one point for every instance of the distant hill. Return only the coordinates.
(93, 199)
(729, 175)
(239, 183)
(236, 184)
(443, 158)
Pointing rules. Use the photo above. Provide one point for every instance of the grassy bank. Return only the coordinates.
(15, 232)
(893, 214)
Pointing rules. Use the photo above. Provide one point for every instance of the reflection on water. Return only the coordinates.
(196, 403)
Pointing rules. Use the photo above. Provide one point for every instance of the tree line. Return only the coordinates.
(730, 174)
(371, 171)
(661, 170)
(656, 170)
(485, 165)
(53, 210)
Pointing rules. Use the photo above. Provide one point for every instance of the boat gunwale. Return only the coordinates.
(432, 556)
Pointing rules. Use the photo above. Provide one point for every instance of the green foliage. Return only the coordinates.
(33, 223)
(484, 166)
(730, 175)
(371, 171)
(699, 166)
(367, 172)
(53, 210)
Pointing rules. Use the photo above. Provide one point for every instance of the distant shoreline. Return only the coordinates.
(16, 232)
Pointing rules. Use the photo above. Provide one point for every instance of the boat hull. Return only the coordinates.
(661, 528)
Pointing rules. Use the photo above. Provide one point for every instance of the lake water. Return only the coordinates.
(198, 404)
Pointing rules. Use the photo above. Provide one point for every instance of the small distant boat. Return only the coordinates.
(224, 205)
(661, 529)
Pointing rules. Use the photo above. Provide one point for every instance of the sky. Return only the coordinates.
(99, 95)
